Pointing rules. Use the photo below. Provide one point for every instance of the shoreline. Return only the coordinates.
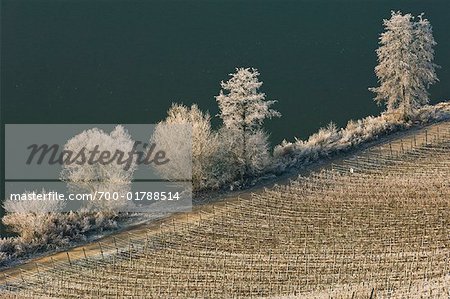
(97, 243)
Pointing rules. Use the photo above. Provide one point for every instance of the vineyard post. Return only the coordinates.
(68, 258)
(129, 252)
(21, 275)
(39, 273)
(101, 250)
(115, 244)
(84, 252)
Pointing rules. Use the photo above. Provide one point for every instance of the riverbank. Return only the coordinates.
(241, 237)
(395, 142)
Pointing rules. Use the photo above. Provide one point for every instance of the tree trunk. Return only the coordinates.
(406, 104)
(244, 142)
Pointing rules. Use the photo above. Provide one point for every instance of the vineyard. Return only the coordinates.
(375, 225)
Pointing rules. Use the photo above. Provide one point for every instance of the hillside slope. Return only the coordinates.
(375, 223)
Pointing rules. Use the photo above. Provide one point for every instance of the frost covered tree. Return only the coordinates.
(405, 64)
(425, 69)
(88, 173)
(190, 143)
(243, 109)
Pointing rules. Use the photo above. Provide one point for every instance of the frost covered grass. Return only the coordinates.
(330, 141)
(41, 228)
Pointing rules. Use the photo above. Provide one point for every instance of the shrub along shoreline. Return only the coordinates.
(331, 140)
